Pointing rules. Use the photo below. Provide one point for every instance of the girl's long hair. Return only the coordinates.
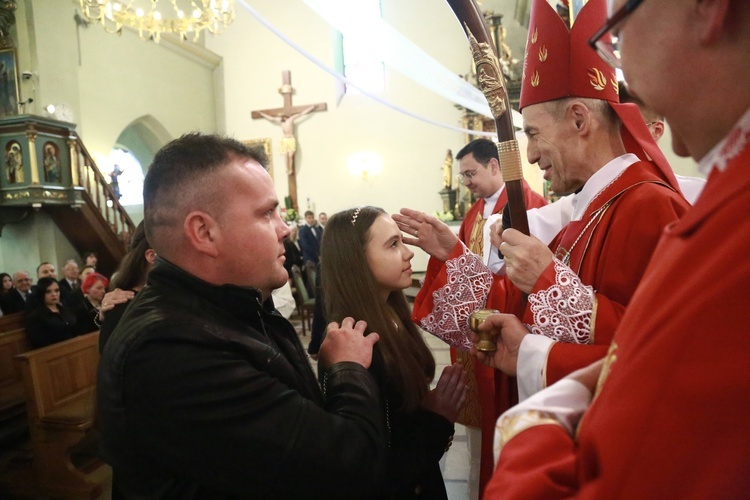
(2, 276)
(350, 289)
(132, 271)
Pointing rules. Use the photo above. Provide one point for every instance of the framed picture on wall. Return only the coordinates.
(8, 83)
(265, 144)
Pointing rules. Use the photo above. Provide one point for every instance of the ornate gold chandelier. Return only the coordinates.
(187, 19)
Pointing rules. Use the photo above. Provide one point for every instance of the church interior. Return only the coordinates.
(121, 93)
(381, 94)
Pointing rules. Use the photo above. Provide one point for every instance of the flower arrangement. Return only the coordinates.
(289, 214)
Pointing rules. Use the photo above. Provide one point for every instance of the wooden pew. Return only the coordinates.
(13, 423)
(60, 382)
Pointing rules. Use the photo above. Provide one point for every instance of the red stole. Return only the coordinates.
(574, 240)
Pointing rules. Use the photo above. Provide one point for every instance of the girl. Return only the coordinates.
(365, 267)
(127, 280)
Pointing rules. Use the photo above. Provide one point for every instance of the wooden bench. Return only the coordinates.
(13, 341)
(60, 383)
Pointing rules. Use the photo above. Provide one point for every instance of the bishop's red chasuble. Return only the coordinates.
(670, 417)
(479, 410)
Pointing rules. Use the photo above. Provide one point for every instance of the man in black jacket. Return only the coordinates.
(310, 234)
(204, 389)
(17, 299)
(69, 283)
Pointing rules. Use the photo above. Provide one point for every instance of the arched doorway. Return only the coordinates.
(131, 154)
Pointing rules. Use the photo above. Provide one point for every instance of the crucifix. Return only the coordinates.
(286, 118)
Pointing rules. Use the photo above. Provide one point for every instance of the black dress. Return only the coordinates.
(44, 327)
(293, 256)
(111, 319)
(418, 440)
(86, 313)
(318, 333)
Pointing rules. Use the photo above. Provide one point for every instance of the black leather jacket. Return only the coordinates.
(204, 392)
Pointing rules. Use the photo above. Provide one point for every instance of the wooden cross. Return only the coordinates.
(286, 117)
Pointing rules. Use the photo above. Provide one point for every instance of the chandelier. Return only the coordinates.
(185, 18)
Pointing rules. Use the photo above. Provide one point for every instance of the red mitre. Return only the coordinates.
(560, 63)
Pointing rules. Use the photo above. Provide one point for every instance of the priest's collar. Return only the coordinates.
(728, 147)
(600, 180)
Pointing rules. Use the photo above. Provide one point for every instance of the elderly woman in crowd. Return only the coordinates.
(49, 322)
(94, 287)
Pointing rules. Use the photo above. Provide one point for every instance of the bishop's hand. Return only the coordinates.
(509, 333)
(426, 232)
(526, 258)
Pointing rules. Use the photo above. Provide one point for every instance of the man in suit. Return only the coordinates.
(479, 171)
(46, 270)
(310, 235)
(15, 300)
(69, 283)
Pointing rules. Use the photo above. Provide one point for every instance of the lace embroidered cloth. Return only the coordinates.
(562, 311)
(468, 284)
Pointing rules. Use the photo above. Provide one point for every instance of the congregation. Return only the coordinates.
(60, 308)
(56, 310)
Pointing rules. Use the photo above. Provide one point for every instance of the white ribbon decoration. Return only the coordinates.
(400, 54)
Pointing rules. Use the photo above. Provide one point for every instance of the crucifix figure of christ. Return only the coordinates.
(286, 118)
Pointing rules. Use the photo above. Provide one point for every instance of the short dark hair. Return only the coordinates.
(84, 268)
(183, 164)
(40, 266)
(483, 150)
(309, 212)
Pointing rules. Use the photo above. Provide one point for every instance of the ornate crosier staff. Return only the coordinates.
(492, 84)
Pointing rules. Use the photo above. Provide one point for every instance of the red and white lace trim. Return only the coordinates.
(468, 285)
(562, 312)
(729, 148)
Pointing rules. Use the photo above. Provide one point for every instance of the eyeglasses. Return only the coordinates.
(608, 47)
(468, 175)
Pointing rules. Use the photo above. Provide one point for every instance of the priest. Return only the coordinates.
(665, 415)
(479, 171)
(572, 293)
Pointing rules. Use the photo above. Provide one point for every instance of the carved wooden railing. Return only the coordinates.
(87, 175)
